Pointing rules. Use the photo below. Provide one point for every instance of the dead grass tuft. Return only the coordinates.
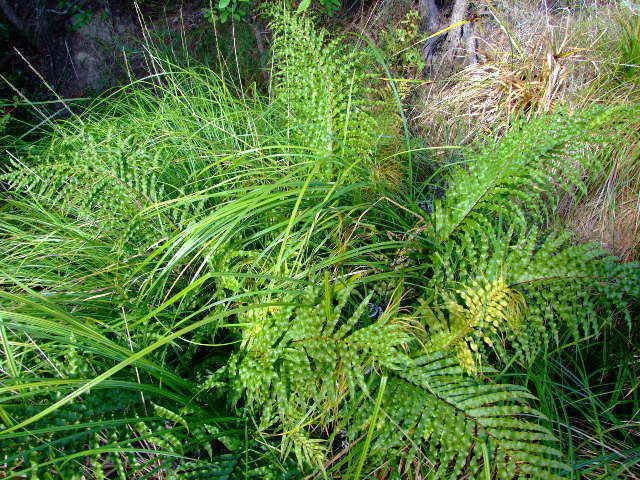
(611, 219)
(531, 60)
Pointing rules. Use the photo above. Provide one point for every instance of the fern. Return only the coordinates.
(483, 237)
(522, 176)
(455, 426)
(472, 318)
(321, 86)
(308, 366)
(301, 360)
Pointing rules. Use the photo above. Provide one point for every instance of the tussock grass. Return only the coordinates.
(611, 213)
(533, 61)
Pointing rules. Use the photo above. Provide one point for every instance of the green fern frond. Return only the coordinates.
(557, 286)
(471, 319)
(522, 175)
(307, 355)
(323, 89)
(482, 237)
(453, 425)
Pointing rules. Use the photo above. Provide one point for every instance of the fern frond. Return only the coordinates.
(482, 236)
(310, 354)
(553, 285)
(453, 425)
(520, 176)
(321, 87)
(473, 318)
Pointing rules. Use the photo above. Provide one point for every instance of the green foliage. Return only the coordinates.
(203, 282)
(299, 362)
(452, 425)
(225, 10)
(322, 83)
(328, 6)
(402, 45)
(79, 14)
(488, 258)
(627, 47)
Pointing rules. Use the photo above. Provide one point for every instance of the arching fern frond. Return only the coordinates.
(482, 236)
(302, 360)
(456, 426)
(521, 176)
(557, 285)
(324, 90)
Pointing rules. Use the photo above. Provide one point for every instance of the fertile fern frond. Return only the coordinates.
(482, 237)
(520, 176)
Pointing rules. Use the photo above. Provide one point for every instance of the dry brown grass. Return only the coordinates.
(610, 213)
(611, 218)
(531, 59)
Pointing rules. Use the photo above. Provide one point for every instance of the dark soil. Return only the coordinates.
(77, 47)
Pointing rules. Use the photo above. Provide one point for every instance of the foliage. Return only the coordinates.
(520, 276)
(79, 14)
(236, 10)
(627, 47)
(203, 282)
(328, 6)
(402, 45)
(228, 9)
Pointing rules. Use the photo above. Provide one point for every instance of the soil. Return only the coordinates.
(78, 47)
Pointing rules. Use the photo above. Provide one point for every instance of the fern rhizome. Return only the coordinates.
(201, 281)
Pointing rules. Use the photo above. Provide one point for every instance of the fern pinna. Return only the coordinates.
(199, 283)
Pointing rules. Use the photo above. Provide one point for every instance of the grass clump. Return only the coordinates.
(201, 281)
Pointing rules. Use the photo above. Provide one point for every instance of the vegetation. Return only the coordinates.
(204, 279)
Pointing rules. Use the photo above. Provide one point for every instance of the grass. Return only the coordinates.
(610, 213)
(196, 209)
(590, 390)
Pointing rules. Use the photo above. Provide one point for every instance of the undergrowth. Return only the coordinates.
(204, 281)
